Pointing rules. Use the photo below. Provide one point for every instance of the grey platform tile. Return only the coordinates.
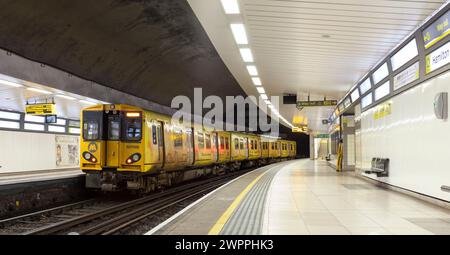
(247, 219)
(360, 186)
(438, 226)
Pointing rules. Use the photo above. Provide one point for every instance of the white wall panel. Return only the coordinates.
(23, 151)
(417, 144)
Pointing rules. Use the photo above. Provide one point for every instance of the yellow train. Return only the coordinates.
(127, 147)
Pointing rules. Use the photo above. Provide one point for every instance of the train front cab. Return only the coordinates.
(111, 141)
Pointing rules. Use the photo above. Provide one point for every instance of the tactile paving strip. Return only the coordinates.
(247, 219)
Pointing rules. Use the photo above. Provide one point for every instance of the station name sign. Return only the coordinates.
(438, 58)
(40, 109)
(316, 103)
(437, 31)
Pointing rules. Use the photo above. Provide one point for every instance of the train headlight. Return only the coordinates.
(89, 157)
(134, 158)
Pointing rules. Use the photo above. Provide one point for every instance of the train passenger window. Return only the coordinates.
(154, 134)
(273, 146)
(236, 143)
(222, 143)
(241, 145)
(201, 140)
(178, 141)
(90, 130)
(208, 141)
(227, 143)
(256, 145)
(251, 144)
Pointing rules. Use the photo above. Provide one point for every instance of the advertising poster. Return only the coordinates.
(67, 151)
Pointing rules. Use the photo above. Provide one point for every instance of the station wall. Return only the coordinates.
(415, 141)
(24, 151)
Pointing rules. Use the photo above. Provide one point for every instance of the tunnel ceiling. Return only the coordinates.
(153, 49)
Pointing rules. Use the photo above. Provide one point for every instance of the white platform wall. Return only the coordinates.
(22, 151)
(417, 144)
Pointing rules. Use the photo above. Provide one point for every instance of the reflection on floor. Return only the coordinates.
(308, 197)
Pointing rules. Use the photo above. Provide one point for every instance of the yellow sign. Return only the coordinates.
(382, 111)
(40, 109)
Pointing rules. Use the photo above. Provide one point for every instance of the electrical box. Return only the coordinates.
(441, 106)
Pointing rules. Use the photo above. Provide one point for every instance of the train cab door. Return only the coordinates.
(113, 142)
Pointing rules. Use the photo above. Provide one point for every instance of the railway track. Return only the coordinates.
(91, 218)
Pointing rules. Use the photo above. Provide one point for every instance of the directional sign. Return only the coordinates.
(40, 109)
(316, 103)
(437, 31)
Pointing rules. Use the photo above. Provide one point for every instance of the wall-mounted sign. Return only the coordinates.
(436, 31)
(67, 151)
(438, 58)
(322, 136)
(40, 109)
(382, 111)
(316, 103)
(409, 75)
(347, 102)
(299, 129)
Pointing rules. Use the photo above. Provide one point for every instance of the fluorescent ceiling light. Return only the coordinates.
(240, 36)
(261, 90)
(252, 70)
(230, 6)
(87, 102)
(40, 91)
(8, 83)
(66, 97)
(257, 81)
(264, 96)
(246, 55)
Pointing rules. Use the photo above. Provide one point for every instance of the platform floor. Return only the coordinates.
(35, 176)
(306, 197)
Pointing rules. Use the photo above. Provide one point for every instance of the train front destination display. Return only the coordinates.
(224, 126)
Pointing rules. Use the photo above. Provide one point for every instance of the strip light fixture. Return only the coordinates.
(87, 102)
(66, 97)
(40, 91)
(261, 90)
(246, 55)
(257, 81)
(240, 36)
(252, 70)
(230, 6)
(8, 83)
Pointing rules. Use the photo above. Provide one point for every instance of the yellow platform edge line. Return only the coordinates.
(218, 226)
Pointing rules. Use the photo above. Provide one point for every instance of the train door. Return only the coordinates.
(156, 155)
(215, 146)
(160, 129)
(113, 142)
(246, 147)
(190, 146)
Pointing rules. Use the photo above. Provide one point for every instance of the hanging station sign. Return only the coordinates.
(40, 109)
(436, 31)
(438, 58)
(409, 75)
(316, 103)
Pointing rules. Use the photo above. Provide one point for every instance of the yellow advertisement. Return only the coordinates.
(382, 111)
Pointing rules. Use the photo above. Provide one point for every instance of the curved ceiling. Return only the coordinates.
(153, 49)
(317, 47)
